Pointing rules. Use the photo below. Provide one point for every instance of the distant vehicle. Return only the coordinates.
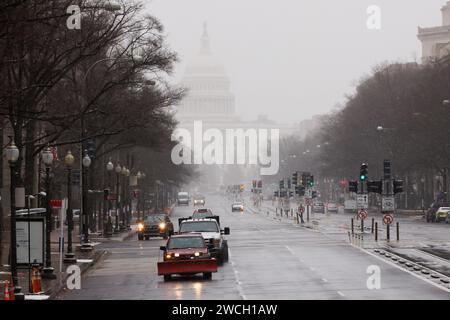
(211, 232)
(202, 213)
(439, 215)
(155, 225)
(186, 254)
(431, 212)
(199, 200)
(318, 207)
(350, 206)
(183, 198)
(332, 207)
(237, 206)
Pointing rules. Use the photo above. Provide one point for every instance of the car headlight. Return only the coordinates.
(197, 254)
(176, 255)
(140, 227)
(168, 256)
(162, 225)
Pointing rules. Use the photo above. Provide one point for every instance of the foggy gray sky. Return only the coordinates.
(292, 59)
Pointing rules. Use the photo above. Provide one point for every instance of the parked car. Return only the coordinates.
(332, 207)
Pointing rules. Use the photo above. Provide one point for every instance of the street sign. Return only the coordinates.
(388, 219)
(362, 201)
(363, 214)
(56, 203)
(308, 202)
(308, 193)
(387, 204)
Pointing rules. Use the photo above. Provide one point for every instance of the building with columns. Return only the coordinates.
(210, 100)
(436, 40)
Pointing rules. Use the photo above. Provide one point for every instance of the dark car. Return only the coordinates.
(155, 225)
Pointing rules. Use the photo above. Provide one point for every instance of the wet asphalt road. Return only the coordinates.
(269, 259)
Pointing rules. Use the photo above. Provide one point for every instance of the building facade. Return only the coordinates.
(436, 40)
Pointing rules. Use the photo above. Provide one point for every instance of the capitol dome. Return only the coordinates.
(208, 85)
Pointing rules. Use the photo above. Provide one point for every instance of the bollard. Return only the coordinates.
(388, 236)
(398, 232)
(373, 221)
(376, 231)
(307, 213)
(362, 225)
(352, 226)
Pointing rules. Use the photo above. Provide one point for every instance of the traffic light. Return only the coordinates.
(260, 184)
(291, 194)
(289, 183)
(281, 184)
(398, 186)
(314, 194)
(295, 178)
(387, 169)
(254, 184)
(311, 181)
(353, 186)
(363, 172)
(304, 179)
(375, 186)
(276, 194)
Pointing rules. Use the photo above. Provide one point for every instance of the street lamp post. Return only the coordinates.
(47, 158)
(108, 226)
(70, 256)
(127, 200)
(12, 155)
(124, 200)
(118, 170)
(85, 246)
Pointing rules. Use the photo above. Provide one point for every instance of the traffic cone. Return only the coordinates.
(9, 293)
(36, 280)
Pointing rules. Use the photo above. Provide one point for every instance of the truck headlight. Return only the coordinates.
(168, 256)
(197, 254)
(162, 225)
(140, 227)
(177, 255)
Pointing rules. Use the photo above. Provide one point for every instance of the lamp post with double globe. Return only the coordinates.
(69, 160)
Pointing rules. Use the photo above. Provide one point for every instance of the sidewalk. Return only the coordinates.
(52, 287)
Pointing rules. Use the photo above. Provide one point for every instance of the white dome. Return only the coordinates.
(207, 83)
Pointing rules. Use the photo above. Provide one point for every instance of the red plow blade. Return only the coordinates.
(187, 266)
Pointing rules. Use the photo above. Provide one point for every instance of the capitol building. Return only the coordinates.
(210, 100)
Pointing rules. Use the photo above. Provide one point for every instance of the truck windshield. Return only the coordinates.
(199, 226)
(183, 195)
(187, 242)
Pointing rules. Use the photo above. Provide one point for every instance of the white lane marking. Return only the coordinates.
(236, 276)
(341, 294)
(293, 253)
(405, 270)
(324, 280)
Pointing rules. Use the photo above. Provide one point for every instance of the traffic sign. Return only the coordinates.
(388, 219)
(363, 214)
(362, 201)
(387, 204)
